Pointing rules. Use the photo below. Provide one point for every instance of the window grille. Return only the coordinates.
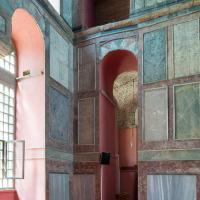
(11, 151)
(8, 63)
(7, 121)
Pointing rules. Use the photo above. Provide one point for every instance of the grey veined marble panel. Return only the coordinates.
(155, 115)
(187, 111)
(155, 56)
(186, 48)
(2, 24)
(61, 59)
(58, 186)
(171, 187)
(59, 112)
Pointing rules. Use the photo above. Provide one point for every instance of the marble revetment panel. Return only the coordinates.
(87, 68)
(59, 111)
(2, 25)
(83, 187)
(67, 11)
(155, 115)
(76, 13)
(61, 58)
(58, 186)
(86, 121)
(171, 187)
(138, 4)
(186, 49)
(141, 5)
(155, 56)
(150, 3)
(187, 111)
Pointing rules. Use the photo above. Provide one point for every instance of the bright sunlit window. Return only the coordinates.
(7, 119)
(8, 63)
(56, 5)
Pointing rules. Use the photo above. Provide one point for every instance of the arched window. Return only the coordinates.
(7, 119)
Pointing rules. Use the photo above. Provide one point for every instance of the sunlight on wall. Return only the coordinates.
(55, 4)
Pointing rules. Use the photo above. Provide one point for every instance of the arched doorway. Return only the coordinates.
(30, 103)
(112, 65)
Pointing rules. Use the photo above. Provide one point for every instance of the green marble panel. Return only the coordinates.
(61, 59)
(155, 115)
(186, 49)
(155, 51)
(58, 155)
(142, 5)
(174, 154)
(59, 116)
(187, 111)
(76, 14)
(67, 11)
(139, 4)
(150, 3)
(2, 25)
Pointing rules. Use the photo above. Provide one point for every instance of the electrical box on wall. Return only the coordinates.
(105, 158)
(30, 73)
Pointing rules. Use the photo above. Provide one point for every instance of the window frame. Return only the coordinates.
(8, 79)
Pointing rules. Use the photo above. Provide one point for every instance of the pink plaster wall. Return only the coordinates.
(107, 144)
(128, 182)
(128, 161)
(30, 106)
(128, 147)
